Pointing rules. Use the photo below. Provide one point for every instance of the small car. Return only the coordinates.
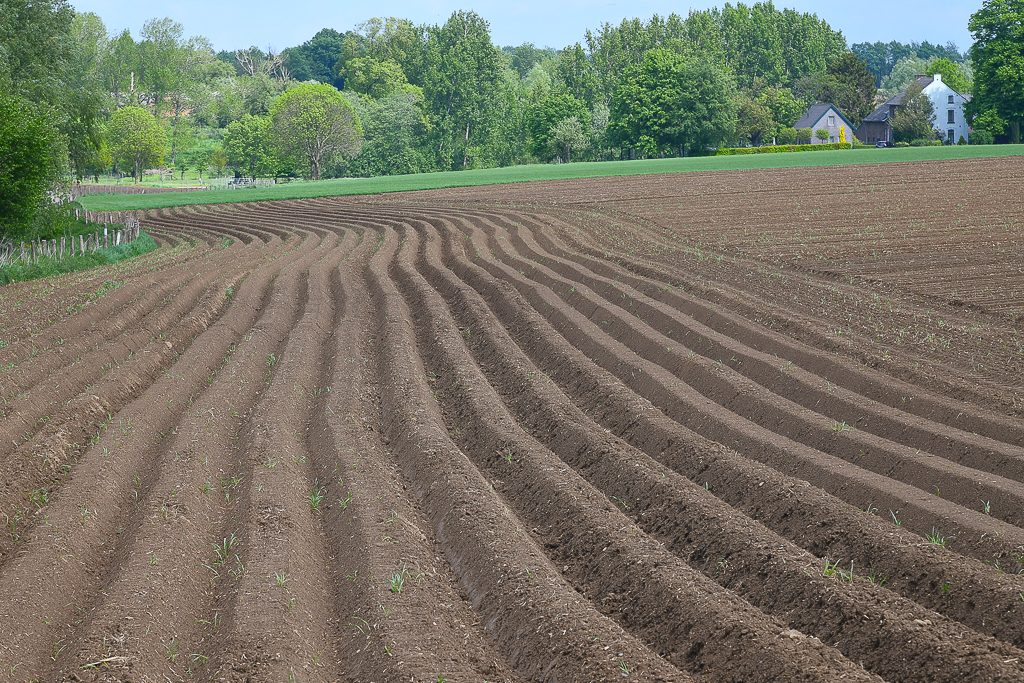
(881, 143)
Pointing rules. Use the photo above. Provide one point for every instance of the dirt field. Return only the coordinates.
(751, 426)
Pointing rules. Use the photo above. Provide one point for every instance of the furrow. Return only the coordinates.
(977, 535)
(868, 624)
(807, 387)
(725, 311)
(98, 500)
(725, 387)
(673, 608)
(482, 543)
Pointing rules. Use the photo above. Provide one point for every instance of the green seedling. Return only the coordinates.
(986, 506)
(39, 497)
(946, 587)
(895, 519)
(624, 668)
(874, 578)
(841, 427)
(936, 537)
(316, 497)
(271, 360)
(830, 568)
(223, 549)
(396, 583)
(282, 579)
(172, 650)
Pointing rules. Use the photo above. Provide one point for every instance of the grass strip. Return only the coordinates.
(521, 174)
(45, 267)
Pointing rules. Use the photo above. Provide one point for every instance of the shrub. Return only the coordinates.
(982, 137)
(778, 149)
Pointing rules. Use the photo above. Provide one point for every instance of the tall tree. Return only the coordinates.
(394, 129)
(314, 60)
(315, 125)
(902, 75)
(523, 58)
(374, 77)
(855, 91)
(248, 145)
(913, 118)
(136, 139)
(122, 70)
(171, 69)
(576, 74)
(998, 56)
(463, 70)
(846, 83)
(953, 74)
(29, 161)
(672, 102)
(85, 96)
(544, 115)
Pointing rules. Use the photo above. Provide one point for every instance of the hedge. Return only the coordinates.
(778, 149)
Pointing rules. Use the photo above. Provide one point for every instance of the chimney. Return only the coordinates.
(938, 78)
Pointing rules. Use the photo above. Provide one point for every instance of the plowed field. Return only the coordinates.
(740, 426)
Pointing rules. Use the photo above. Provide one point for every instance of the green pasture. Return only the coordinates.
(522, 174)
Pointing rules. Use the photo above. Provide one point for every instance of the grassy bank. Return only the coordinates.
(45, 267)
(520, 174)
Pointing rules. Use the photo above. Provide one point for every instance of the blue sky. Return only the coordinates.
(231, 24)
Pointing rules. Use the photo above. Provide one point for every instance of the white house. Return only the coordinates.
(947, 103)
(949, 109)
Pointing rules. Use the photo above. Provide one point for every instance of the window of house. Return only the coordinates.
(949, 99)
(831, 120)
(949, 134)
(951, 116)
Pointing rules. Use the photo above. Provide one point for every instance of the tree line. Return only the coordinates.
(390, 96)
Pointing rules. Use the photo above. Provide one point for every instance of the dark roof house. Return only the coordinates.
(829, 117)
(876, 127)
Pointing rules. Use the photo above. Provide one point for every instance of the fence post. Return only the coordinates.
(62, 244)
(96, 241)
(81, 245)
(23, 252)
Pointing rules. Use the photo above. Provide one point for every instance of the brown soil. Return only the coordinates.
(758, 426)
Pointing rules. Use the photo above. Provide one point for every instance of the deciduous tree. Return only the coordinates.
(544, 115)
(249, 147)
(569, 134)
(30, 150)
(998, 57)
(136, 139)
(670, 102)
(913, 118)
(315, 125)
(462, 72)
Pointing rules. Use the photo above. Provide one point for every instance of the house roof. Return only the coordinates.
(881, 113)
(815, 113)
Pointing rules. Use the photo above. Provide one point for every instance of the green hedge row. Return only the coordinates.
(777, 149)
